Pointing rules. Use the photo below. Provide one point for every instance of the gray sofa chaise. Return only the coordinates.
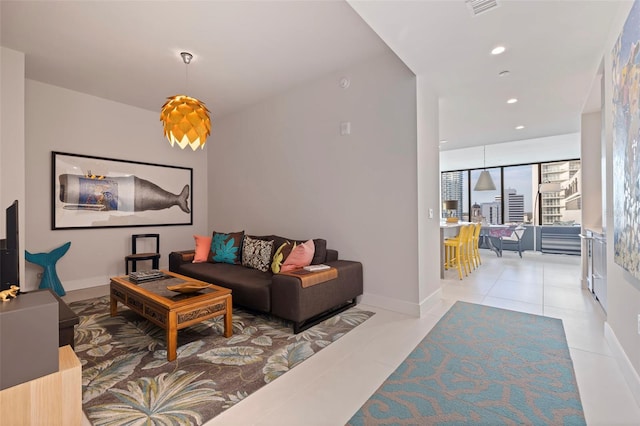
(279, 294)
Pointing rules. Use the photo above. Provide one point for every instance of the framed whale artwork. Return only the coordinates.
(97, 192)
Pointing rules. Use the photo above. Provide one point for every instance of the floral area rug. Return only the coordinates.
(126, 378)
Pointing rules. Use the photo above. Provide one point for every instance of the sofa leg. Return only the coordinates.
(303, 325)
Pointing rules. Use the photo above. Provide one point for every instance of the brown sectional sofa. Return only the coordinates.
(278, 294)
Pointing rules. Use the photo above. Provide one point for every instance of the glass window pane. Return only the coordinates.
(565, 206)
(465, 196)
(487, 204)
(519, 193)
(452, 186)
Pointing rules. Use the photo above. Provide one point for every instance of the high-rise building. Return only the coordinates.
(513, 206)
(452, 184)
(492, 212)
(554, 204)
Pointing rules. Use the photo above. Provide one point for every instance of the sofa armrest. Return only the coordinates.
(177, 258)
(289, 300)
(331, 255)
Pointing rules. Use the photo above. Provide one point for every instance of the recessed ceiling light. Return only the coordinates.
(444, 141)
(519, 127)
(503, 73)
(498, 50)
(512, 101)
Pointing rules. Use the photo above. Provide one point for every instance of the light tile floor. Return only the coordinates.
(330, 387)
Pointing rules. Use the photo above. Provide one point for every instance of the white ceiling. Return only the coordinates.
(554, 49)
(247, 51)
(130, 51)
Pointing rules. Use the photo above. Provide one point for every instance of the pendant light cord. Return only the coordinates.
(186, 78)
(484, 156)
(186, 58)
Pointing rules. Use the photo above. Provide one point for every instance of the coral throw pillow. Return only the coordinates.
(299, 257)
(203, 245)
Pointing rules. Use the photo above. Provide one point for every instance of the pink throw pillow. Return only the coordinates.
(299, 257)
(203, 245)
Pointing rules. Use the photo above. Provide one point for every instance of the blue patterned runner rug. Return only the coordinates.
(481, 366)
(127, 380)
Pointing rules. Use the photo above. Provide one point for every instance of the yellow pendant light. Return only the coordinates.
(185, 119)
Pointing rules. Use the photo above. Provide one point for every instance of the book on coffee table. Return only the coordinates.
(142, 276)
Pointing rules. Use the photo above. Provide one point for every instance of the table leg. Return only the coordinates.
(228, 319)
(172, 336)
(114, 306)
(489, 241)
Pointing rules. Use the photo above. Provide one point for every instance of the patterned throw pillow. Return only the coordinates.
(256, 254)
(225, 248)
(280, 255)
(299, 257)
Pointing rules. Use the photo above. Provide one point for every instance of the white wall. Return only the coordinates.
(590, 158)
(623, 290)
(428, 196)
(282, 167)
(58, 119)
(12, 143)
(551, 148)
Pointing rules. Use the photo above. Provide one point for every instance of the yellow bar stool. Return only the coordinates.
(467, 250)
(456, 251)
(450, 249)
(467, 253)
(475, 248)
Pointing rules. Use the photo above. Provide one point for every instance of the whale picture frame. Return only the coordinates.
(98, 192)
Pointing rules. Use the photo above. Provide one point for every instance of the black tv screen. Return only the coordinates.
(9, 255)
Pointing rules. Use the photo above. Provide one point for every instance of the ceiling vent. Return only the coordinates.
(481, 6)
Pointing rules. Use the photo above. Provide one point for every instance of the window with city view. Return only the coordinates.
(488, 204)
(516, 202)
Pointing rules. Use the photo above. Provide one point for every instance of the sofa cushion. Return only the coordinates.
(249, 287)
(300, 256)
(203, 247)
(320, 254)
(256, 253)
(280, 255)
(226, 248)
(320, 244)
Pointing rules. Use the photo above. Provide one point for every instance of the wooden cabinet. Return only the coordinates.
(54, 399)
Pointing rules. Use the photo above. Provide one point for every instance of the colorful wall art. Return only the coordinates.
(95, 192)
(626, 133)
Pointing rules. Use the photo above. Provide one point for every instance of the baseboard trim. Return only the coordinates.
(71, 285)
(584, 283)
(391, 304)
(629, 373)
(430, 301)
(401, 306)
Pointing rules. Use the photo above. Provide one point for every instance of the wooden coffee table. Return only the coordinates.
(171, 310)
